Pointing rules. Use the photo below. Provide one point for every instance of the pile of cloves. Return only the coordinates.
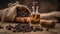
(19, 28)
(22, 13)
(24, 28)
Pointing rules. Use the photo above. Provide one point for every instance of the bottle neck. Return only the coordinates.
(35, 9)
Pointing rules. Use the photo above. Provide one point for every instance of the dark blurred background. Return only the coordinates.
(44, 5)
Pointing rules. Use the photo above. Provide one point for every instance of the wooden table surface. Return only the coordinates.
(55, 30)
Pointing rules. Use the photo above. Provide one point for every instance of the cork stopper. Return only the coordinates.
(35, 4)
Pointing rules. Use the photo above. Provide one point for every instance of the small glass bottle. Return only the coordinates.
(35, 15)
